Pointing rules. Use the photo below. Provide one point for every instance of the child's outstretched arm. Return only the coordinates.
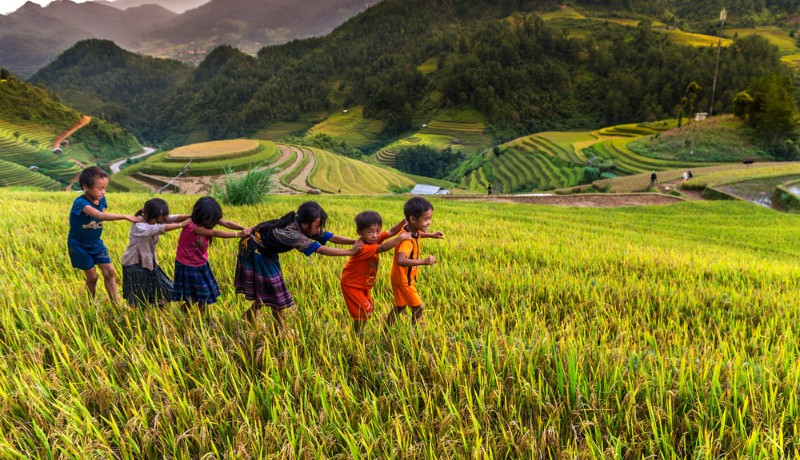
(177, 225)
(101, 215)
(396, 229)
(438, 235)
(179, 217)
(326, 251)
(231, 225)
(222, 234)
(404, 261)
(341, 240)
(390, 243)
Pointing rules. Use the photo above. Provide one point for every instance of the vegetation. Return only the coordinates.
(217, 150)
(337, 174)
(250, 189)
(668, 332)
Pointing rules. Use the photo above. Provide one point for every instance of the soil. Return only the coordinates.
(301, 181)
(594, 200)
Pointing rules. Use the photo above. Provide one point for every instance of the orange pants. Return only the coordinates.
(406, 296)
(359, 302)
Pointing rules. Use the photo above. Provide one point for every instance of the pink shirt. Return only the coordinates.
(192, 249)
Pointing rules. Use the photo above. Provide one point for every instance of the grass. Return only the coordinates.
(215, 150)
(162, 164)
(334, 173)
(350, 127)
(775, 35)
(573, 333)
(746, 172)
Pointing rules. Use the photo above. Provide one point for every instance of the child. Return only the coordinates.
(194, 280)
(86, 249)
(258, 268)
(359, 272)
(143, 281)
(419, 213)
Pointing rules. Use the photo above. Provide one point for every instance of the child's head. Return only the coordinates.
(419, 213)
(368, 226)
(154, 209)
(206, 212)
(311, 218)
(94, 181)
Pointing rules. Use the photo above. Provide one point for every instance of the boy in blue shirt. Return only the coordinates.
(86, 249)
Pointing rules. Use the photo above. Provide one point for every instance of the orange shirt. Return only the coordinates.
(406, 276)
(360, 269)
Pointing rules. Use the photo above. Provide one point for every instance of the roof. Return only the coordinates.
(424, 189)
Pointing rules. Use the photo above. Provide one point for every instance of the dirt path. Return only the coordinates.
(78, 125)
(595, 200)
(77, 176)
(301, 181)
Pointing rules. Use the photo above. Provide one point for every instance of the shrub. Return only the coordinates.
(250, 189)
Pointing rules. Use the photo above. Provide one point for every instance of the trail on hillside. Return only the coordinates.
(57, 144)
(77, 176)
(301, 181)
(593, 200)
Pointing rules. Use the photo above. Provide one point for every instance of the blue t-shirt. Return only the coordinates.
(84, 228)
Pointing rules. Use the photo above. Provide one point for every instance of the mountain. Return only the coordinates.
(178, 6)
(102, 79)
(404, 61)
(33, 35)
(251, 24)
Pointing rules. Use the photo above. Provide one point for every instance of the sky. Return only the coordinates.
(9, 6)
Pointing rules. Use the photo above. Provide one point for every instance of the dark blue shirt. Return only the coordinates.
(83, 228)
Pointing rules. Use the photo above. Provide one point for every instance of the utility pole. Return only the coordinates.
(723, 15)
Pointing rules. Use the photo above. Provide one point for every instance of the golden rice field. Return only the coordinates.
(662, 332)
(214, 150)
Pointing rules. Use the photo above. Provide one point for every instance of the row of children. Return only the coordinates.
(258, 271)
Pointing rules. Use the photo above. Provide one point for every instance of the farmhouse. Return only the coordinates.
(423, 189)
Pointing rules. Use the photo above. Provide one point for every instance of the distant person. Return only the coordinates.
(194, 280)
(86, 217)
(489, 189)
(258, 268)
(689, 175)
(419, 214)
(685, 176)
(358, 274)
(653, 179)
(143, 281)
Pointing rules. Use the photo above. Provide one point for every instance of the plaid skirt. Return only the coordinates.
(260, 278)
(194, 284)
(142, 287)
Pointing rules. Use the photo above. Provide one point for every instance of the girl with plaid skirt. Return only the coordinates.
(194, 280)
(258, 269)
(143, 281)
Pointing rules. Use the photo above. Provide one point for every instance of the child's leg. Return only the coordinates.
(358, 327)
(91, 281)
(110, 280)
(279, 322)
(416, 314)
(392, 316)
(250, 313)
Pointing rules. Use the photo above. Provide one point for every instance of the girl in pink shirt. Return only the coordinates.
(194, 281)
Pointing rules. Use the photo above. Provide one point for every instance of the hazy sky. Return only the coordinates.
(9, 6)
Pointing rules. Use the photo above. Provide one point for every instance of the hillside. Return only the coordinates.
(178, 6)
(535, 341)
(31, 119)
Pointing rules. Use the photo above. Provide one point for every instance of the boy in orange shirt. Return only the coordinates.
(419, 214)
(359, 272)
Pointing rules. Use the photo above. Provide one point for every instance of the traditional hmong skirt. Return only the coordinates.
(194, 284)
(260, 278)
(142, 287)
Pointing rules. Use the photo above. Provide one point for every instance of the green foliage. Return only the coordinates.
(326, 142)
(106, 140)
(769, 107)
(425, 161)
(250, 189)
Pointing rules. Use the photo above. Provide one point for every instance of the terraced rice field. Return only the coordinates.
(280, 129)
(350, 127)
(33, 148)
(627, 161)
(215, 150)
(463, 136)
(775, 35)
(334, 173)
(12, 174)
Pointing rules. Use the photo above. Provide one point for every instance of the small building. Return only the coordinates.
(58, 151)
(33, 168)
(65, 143)
(344, 111)
(700, 116)
(424, 189)
(424, 125)
(456, 141)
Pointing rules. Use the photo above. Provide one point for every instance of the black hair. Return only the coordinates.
(206, 212)
(310, 211)
(367, 219)
(416, 207)
(154, 208)
(90, 175)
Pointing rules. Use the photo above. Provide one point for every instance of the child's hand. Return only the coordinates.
(245, 232)
(430, 260)
(134, 219)
(438, 235)
(405, 236)
(356, 248)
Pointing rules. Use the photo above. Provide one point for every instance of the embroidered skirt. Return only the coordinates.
(194, 284)
(260, 278)
(142, 287)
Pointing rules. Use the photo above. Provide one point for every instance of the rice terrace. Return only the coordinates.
(590, 214)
